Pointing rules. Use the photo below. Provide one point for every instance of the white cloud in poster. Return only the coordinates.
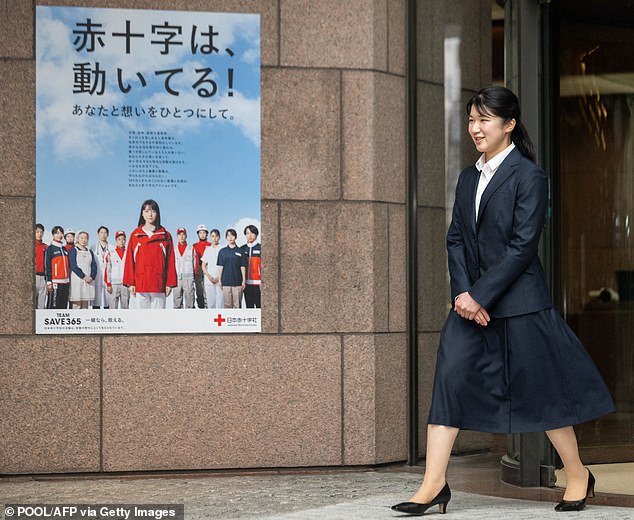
(73, 136)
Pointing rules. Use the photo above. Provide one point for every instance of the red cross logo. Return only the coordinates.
(219, 320)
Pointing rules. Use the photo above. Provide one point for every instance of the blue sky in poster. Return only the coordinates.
(83, 170)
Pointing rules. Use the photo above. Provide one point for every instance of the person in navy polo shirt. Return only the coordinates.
(232, 271)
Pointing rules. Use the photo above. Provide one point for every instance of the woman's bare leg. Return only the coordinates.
(440, 440)
(565, 442)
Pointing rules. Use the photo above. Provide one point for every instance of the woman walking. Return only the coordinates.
(507, 362)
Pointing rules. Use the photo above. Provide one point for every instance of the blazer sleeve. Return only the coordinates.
(529, 213)
(456, 250)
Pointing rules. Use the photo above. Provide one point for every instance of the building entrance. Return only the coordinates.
(595, 194)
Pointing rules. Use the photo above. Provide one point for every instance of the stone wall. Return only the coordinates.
(325, 383)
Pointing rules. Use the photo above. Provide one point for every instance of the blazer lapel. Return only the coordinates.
(506, 169)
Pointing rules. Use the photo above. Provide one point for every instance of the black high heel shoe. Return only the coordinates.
(578, 505)
(416, 509)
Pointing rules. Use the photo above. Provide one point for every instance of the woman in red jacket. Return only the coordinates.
(150, 270)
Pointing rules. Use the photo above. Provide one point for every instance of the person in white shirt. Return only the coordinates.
(102, 250)
(213, 291)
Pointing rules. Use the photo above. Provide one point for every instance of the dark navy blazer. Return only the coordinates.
(496, 258)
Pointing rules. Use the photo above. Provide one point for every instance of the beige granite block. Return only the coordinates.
(270, 265)
(391, 397)
(359, 400)
(334, 268)
(433, 281)
(466, 20)
(375, 398)
(374, 154)
(430, 142)
(380, 266)
(430, 27)
(300, 134)
(17, 128)
(390, 151)
(267, 9)
(227, 401)
(16, 29)
(49, 405)
(17, 267)
(397, 37)
(486, 37)
(397, 238)
(474, 19)
(334, 34)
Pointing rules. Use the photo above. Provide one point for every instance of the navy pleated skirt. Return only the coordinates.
(520, 374)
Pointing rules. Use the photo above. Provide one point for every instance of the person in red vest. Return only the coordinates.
(69, 237)
(40, 279)
(150, 270)
(113, 276)
(186, 265)
(199, 277)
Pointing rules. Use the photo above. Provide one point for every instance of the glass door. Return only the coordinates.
(596, 205)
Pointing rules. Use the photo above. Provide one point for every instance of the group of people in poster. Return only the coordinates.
(148, 267)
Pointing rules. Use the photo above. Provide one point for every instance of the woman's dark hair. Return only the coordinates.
(153, 205)
(231, 231)
(501, 102)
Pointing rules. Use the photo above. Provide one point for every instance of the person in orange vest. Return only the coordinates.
(253, 252)
(57, 271)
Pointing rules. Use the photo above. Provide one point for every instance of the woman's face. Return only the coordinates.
(82, 239)
(149, 215)
(489, 133)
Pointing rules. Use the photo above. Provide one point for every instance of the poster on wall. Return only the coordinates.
(148, 171)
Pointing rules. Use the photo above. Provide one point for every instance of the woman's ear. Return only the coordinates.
(509, 126)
